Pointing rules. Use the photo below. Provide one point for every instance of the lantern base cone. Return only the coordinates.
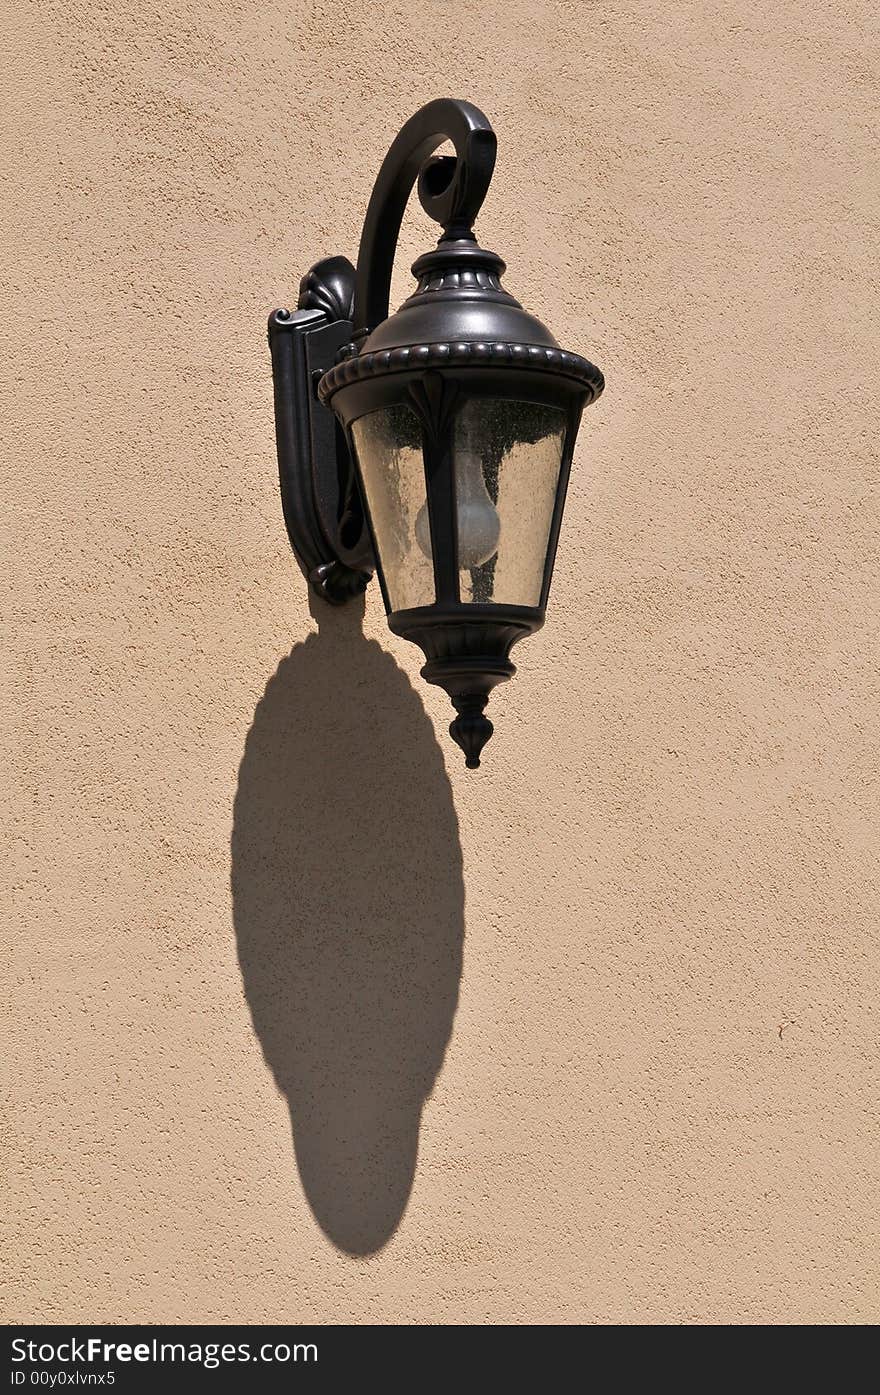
(467, 648)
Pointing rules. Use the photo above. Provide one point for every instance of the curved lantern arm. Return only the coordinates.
(451, 191)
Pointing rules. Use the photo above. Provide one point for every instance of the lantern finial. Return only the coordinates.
(471, 729)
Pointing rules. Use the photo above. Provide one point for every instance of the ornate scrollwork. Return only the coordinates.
(329, 286)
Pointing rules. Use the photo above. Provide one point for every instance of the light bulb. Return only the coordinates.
(479, 526)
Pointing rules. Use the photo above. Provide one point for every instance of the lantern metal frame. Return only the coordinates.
(460, 336)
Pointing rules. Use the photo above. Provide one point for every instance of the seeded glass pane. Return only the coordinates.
(389, 451)
(507, 458)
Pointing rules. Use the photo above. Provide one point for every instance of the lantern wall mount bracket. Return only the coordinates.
(319, 495)
(340, 357)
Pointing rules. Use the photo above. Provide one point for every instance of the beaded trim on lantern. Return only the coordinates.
(462, 355)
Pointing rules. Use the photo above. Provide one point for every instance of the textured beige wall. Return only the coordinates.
(306, 1021)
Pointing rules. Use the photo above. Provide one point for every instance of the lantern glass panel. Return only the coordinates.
(389, 450)
(507, 460)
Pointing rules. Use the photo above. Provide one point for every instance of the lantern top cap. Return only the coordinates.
(459, 298)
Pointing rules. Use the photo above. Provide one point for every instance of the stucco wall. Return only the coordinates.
(307, 1021)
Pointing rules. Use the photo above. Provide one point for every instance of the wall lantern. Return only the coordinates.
(434, 444)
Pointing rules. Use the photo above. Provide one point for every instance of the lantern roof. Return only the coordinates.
(460, 316)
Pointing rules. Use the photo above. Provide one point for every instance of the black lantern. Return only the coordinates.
(447, 454)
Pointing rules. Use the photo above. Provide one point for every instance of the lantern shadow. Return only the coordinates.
(348, 904)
